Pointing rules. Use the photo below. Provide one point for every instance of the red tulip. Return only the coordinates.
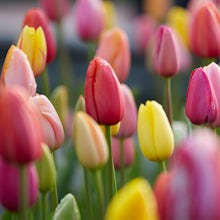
(166, 55)
(10, 186)
(20, 136)
(103, 96)
(201, 104)
(205, 31)
(36, 17)
(55, 9)
(90, 19)
(114, 48)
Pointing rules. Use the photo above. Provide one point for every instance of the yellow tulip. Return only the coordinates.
(155, 134)
(32, 41)
(134, 201)
(114, 128)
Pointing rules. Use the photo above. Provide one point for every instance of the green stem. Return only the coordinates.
(169, 100)
(45, 83)
(122, 165)
(23, 215)
(112, 186)
(100, 190)
(163, 166)
(54, 193)
(88, 194)
(44, 206)
(91, 50)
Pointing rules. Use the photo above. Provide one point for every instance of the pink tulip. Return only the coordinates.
(103, 95)
(89, 19)
(55, 9)
(201, 103)
(128, 152)
(192, 191)
(114, 48)
(21, 134)
(17, 71)
(36, 17)
(205, 31)
(166, 55)
(128, 125)
(10, 186)
(50, 122)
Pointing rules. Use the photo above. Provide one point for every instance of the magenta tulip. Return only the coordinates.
(205, 31)
(103, 95)
(201, 103)
(166, 54)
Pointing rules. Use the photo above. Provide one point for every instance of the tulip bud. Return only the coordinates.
(16, 70)
(51, 125)
(166, 56)
(113, 128)
(200, 109)
(80, 104)
(10, 186)
(36, 17)
(67, 209)
(89, 19)
(102, 84)
(155, 145)
(89, 141)
(205, 31)
(33, 43)
(120, 60)
(46, 170)
(21, 134)
(134, 201)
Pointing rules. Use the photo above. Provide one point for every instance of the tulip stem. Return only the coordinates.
(23, 215)
(99, 184)
(163, 166)
(169, 100)
(44, 206)
(122, 161)
(54, 196)
(112, 186)
(88, 194)
(45, 83)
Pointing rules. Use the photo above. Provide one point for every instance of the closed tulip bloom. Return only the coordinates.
(128, 125)
(36, 17)
(89, 142)
(16, 70)
(56, 10)
(200, 109)
(33, 43)
(128, 152)
(108, 49)
(134, 201)
(89, 19)
(51, 125)
(205, 31)
(9, 186)
(101, 85)
(166, 55)
(155, 134)
(21, 135)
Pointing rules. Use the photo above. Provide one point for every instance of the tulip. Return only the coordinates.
(108, 49)
(16, 70)
(113, 128)
(21, 134)
(134, 201)
(46, 170)
(51, 125)
(55, 9)
(89, 19)
(205, 31)
(128, 152)
(36, 17)
(128, 123)
(166, 57)
(101, 85)
(67, 209)
(80, 104)
(200, 109)
(33, 43)
(155, 145)
(89, 142)
(10, 186)
(192, 190)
